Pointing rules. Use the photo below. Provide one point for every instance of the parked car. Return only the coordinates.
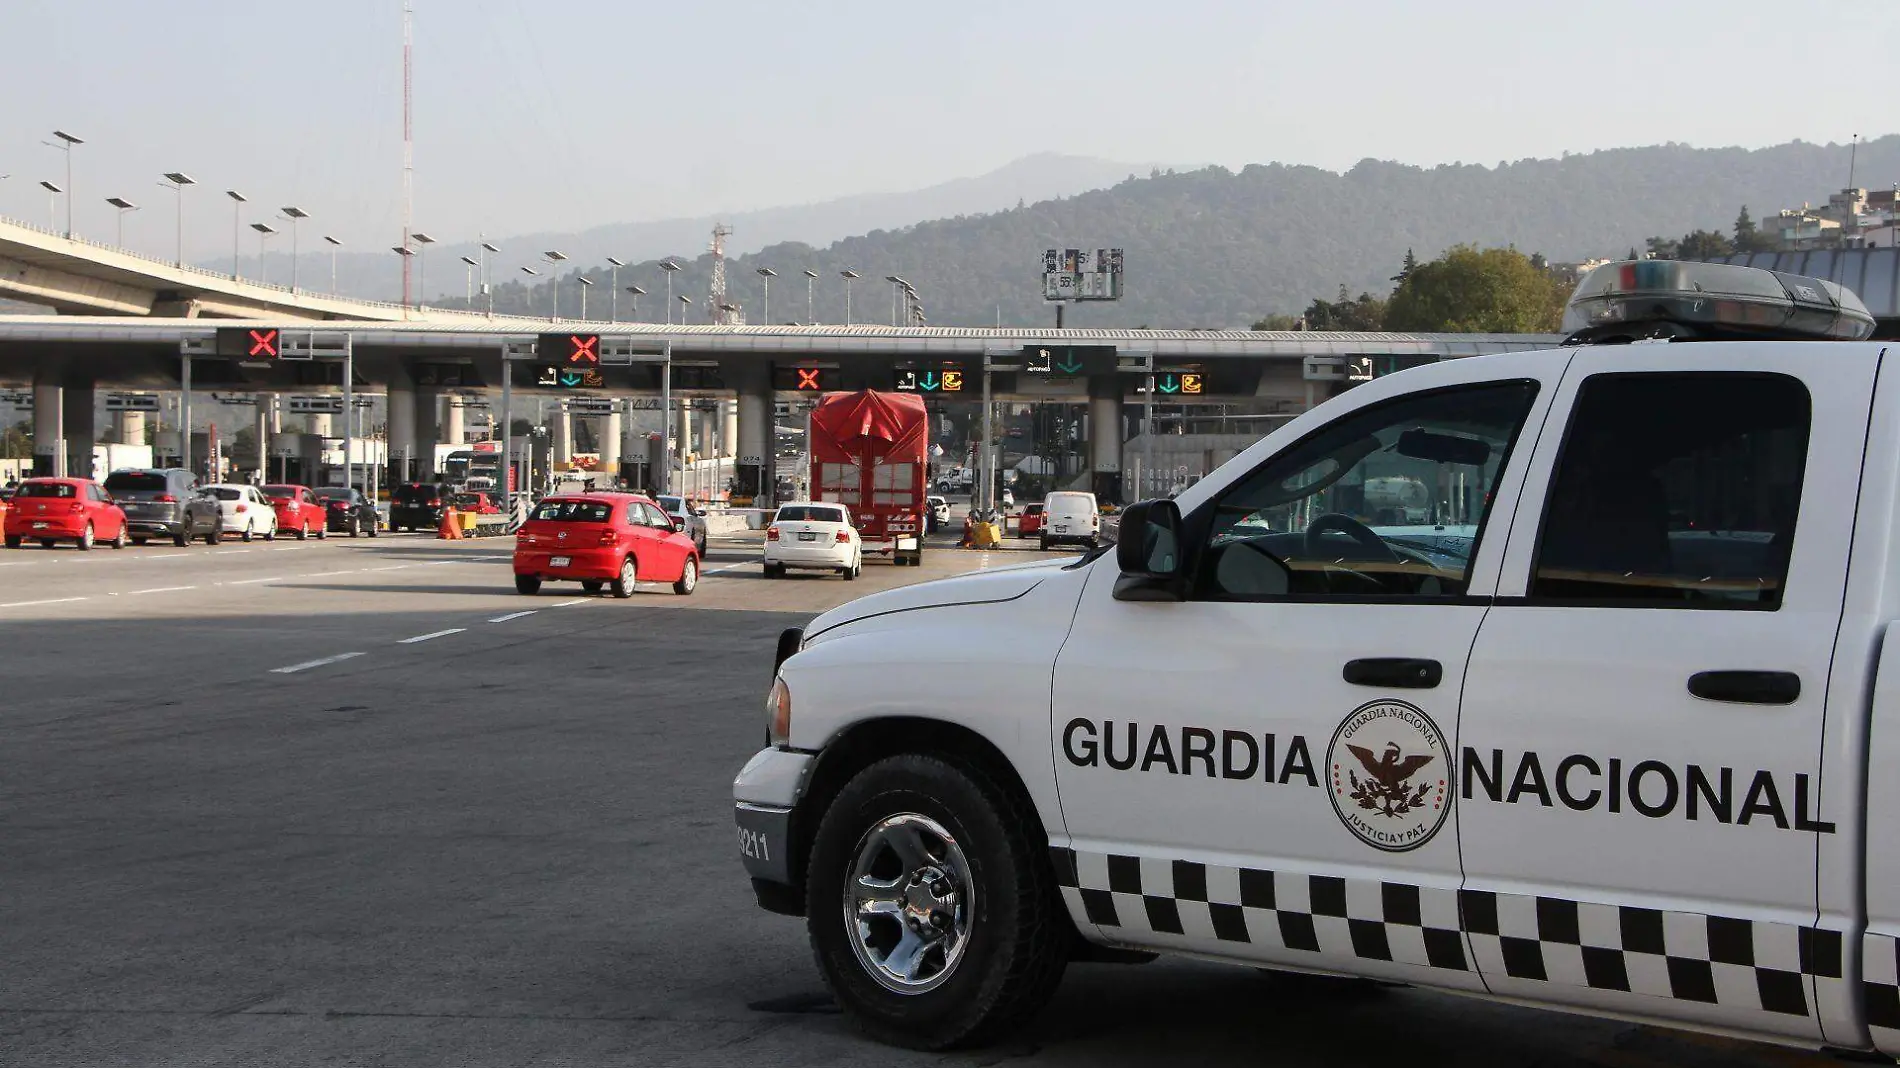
(243, 510)
(348, 511)
(418, 505)
(690, 521)
(1030, 524)
(938, 510)
(600, 540)
(164, 503)
(52, 510)
(813, 536)
(298, 511)
(1071, 517)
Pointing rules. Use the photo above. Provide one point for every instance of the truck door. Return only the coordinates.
(1639, 752)
(1263, 771)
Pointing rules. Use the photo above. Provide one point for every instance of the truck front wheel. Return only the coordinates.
(932, 909)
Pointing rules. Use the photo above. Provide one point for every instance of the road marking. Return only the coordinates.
(166, 556)
(397, 567)
(426, 637)
(308, 664)
(248, 582)
(52, 600)
(161, 589)
(232, 552)
(497, 619)
(570, 604)
(729, 567)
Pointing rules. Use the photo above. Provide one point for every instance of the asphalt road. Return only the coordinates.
(484, 837)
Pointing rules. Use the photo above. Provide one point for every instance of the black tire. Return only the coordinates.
(13, 541)
(689, 577)
(247, 535)
(303, 533)
(1018, 936)
(623, 586)
(272, 536)
(592, 586)
(775, 571)
(374, 527)
(182, 538)
(528, 585)
(47, 543)
(85, 540)
(356, 526)
(139, 542)
(1044, 545)
(323, 531)
(118, 542)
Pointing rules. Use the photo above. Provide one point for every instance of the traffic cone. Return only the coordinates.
(450, 528)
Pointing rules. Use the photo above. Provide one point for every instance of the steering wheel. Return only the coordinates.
(1352, 528)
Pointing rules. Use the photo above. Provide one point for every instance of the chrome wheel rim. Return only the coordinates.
(691, 575)
(626, 573)
(909, 903)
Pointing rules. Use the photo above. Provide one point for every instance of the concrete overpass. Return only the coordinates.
(80, 277)
(64, 359)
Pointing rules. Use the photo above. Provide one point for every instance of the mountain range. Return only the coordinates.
(1217, 248)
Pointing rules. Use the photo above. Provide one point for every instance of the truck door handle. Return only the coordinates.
(1747, 687)
(1394, 673)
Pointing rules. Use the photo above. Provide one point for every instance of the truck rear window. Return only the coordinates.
(47, 489)
(572, 512)
(135, 482)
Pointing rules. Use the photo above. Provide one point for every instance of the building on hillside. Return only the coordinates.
(1797, 229)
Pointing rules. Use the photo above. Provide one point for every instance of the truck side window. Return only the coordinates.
(1387, 501)
(1676, 490)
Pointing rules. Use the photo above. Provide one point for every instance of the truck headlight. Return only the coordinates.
(778, 714)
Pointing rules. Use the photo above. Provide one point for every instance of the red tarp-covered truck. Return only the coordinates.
(869, 451)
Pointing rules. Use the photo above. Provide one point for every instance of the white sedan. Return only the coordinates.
(813, 536)
(243, 511)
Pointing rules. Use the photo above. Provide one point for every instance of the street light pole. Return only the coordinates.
(237, 228)
(811, 279)
(849, 276)
(294, 214)
(637, 293)
(613, 293)
(488, 290)
(124, 206)
(765, 309)
(179, 180)
(52, 204)
(264, 230)
(423, 241)
(66, 143)
(468, 281)
(333, 243)
(671, 269)
(586, 284)
(530, 272)
(554, 258)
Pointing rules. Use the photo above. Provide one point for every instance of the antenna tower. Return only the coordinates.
(408, 144)
(716, 302)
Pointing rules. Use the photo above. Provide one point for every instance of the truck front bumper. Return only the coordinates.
(765, 799)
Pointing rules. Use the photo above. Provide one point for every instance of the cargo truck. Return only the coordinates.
(869, 451)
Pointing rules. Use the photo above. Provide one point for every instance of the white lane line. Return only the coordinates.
(729, 567)
(327, 574)
(426, 637)
(308, 664)
(249, 582)
(283, 548)
(570, 604)
(397, 567)
(232, 552)
(52, 600)
(160, 589)
(497, 619)
(166, 556)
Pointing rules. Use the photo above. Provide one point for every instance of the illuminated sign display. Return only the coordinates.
(1186, 383)
(801, 379)
(940, 381)
(558, 376)
(579, 352)
(1068, 359)
(250, 342)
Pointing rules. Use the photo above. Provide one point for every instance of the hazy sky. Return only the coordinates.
(561, 114)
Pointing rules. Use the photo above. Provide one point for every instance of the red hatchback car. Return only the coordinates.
(51, 510)
(603, 539)
(299, 511)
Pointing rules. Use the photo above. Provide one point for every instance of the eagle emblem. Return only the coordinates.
(1387, 786)
(1389, 775)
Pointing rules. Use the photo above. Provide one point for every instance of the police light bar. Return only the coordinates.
(1671, 299)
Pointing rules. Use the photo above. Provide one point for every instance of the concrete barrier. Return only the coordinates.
(731, 522)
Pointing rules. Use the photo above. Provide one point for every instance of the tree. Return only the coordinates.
(1472, 290)
(1703, 245)
(1633, 254)
(16, 442)
(1278, 322)
(1405, 271)
(1661, 248)
(1746, 236)
(1538, 261)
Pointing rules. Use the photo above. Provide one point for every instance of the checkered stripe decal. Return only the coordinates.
(1880, 989)
(1682, 956)
(1395, 922)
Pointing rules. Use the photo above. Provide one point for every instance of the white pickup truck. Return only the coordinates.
(1614, 730)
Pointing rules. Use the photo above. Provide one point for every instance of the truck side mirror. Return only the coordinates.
(1148, 552)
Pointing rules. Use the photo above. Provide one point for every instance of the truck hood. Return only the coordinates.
(980, 587)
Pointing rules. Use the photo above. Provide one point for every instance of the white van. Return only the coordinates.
(1070, 517)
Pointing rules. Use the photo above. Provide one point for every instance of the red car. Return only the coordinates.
(1031, 521)
(50, 510)
(299, 511)
(601, 539)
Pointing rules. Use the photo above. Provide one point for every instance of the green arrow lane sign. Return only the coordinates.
(1169, 384)
(1069, 365)
(570, 378)
(927, 381)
